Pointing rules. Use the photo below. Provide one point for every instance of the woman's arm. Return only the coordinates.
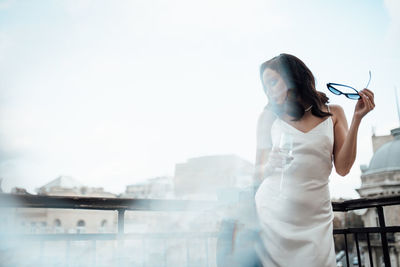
(261, 159)
(264, 144)
(345, 144)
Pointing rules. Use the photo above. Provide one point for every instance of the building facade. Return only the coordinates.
(212, 177)
(382, 178)
(38, 220)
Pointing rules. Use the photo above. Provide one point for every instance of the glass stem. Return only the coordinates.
(281, 181)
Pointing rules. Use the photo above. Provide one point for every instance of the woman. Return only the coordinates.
(293, 200)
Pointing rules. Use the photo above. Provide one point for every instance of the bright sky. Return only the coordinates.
(113, 92)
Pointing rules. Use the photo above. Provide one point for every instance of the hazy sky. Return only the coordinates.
(113, 92)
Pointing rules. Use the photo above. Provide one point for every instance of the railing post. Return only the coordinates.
(207, 243)
(120, 234)
(144, 252)
(385, 248)
(68, 254)
(358, 249)
(187, 252)
(347, 250)
(41, 252)
(121, 222)
(165, 252)
(93, 252)
(371, 262)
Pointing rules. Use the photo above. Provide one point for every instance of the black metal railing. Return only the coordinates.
(120, 205)
(367, 232)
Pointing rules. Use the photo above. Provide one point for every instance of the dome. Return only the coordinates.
(387, 157)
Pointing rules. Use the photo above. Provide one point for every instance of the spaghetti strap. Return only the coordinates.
(328, 108)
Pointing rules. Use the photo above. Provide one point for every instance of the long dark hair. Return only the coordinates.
(301, 84)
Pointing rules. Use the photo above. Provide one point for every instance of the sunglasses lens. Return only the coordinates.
(353, 96)
(333, 90)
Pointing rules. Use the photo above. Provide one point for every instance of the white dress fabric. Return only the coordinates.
(296, 217)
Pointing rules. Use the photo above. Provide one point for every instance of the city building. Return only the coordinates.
(210, 177)
(382, 178)
(38, 220)
(160, 236)
(156, 188)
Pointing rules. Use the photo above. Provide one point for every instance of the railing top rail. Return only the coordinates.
(99, 203)
(362, 203)
(109, 236)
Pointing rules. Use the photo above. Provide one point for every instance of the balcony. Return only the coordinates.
(374, 246)
(194, 244)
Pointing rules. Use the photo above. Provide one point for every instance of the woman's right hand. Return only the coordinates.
(276, 160)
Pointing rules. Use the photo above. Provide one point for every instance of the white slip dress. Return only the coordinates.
(296, 214)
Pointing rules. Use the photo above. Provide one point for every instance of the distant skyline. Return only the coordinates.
(113, 93)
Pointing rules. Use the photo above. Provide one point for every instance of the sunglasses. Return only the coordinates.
(338, 89)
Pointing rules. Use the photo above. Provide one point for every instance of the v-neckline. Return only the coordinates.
(312, 129)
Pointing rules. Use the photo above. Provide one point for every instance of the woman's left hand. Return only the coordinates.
(365, 104)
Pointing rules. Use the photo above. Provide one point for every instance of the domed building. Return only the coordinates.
(382, 178)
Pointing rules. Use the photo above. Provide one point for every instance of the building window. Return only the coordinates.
(33, 227)
(103, 226)
(80, 227)
(43, 227)
(57, 226)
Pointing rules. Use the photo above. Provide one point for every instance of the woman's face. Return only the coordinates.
(275, 86)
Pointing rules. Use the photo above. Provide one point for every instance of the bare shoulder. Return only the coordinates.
(337, 113)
